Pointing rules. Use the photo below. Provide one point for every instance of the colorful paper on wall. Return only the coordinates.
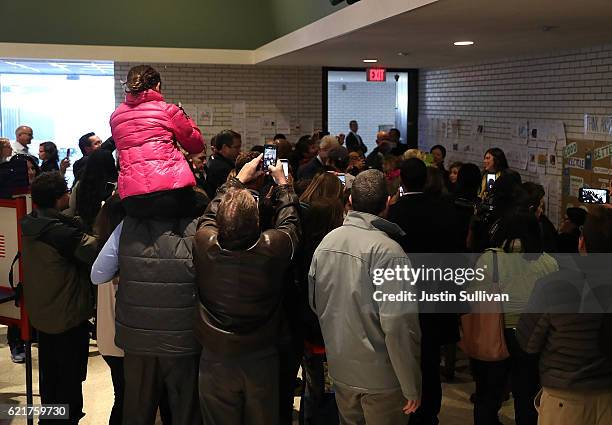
(575, 184)
(603, 152)
(570, 150)
(576, 163)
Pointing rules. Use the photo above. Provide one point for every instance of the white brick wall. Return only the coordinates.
(562, 86)
(556, 86)
(371, 104)
(293, 92)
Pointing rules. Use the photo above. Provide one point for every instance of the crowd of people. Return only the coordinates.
(215, 280)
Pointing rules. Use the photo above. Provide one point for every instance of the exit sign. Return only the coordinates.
(377, 74)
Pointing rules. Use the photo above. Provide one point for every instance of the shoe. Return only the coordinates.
(18, 354)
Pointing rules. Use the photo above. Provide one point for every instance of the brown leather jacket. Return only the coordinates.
(240, 291)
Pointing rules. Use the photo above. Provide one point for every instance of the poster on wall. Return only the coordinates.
(282, 125)
(520, 132)
(597, 125)
(205, 115)
(478, 129)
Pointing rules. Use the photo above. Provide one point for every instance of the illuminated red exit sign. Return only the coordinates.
(377, 74)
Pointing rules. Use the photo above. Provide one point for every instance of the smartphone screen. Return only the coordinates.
(342, 178)
(589, 195)
(285, 164)
(269, 157)
(490, 181)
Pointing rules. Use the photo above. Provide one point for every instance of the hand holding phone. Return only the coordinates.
(588, 195)
(250, 171)
(285, 164)
(491, 177)
(269, 156)
(277, 173)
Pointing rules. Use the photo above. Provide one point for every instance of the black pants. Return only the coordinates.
(491, 379)
(13, 336)
(149, 378)
(431, 395)
(289, 365)
(116, 366)
(62, 369)
(317, 406)
(240, 391)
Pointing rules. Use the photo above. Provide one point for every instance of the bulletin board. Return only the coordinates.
(586, 163)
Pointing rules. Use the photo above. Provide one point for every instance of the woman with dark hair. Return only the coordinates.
(466, 198)
(494, 162)
(97, 183)
(47, 153)
(514, 264)
(319, 217)
(453, 172)
(534, 202)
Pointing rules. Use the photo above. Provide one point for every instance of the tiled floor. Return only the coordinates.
(98, 391)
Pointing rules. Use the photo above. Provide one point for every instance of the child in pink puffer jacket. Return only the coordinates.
(146, 131)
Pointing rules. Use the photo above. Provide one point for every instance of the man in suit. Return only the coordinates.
(317, 164)
(353, 140)
(227, 148)
(429, 225)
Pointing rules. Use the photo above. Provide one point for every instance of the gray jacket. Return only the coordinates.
(156, 295)
(371, 346)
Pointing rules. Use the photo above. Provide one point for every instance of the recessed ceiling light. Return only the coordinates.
(370, 60)
(463, 43)
(403, 54)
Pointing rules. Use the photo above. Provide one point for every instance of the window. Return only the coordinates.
(60, 101)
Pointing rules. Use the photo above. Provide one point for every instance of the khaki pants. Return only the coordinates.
(357, 408)
(563, 407)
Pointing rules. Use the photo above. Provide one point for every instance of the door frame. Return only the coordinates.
(412, 130)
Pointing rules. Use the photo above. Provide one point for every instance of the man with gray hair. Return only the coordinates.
(318, 163)
(375, 362)
(23, 137)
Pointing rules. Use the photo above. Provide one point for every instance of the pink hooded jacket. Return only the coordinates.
(145, 129)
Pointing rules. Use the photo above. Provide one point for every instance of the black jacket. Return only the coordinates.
(430, 226)
(240, 291)
(156, 296)
(311, 169)
(217, 170)
(430, 223)
(355, 143)
(49, 166)
(57, 258)
(78, 166)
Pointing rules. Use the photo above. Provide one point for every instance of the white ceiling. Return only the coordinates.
(500, 29)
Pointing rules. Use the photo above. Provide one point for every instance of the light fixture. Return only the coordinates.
(463, 43)
(403, 54)
(370, 60)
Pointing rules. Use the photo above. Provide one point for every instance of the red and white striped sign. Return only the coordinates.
(2, 247)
